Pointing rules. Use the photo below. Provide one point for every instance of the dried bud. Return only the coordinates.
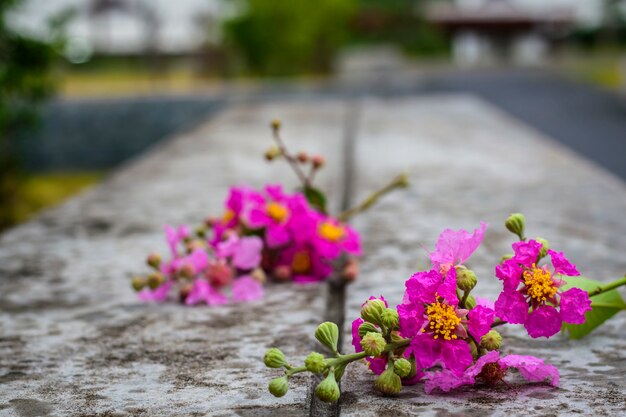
(155, 279)
(276, 124)
(328, 390)
(274, 358)
(139, 283)
(465, 279)
(219, 274)
(327, 334)
(279, 386)
(258, 275)
(491, 341)
(372, 311)
(402, 367)
(272, 153)
(388, 382)
(303, 157)
(154, 260)
(366, 328)
(318, 161)
(516, 224)
(184, 292)
(351, 270)
(282, 273)
(187, 271)
(544, 247)
(390, 318)
(315, 363)
(373, 344)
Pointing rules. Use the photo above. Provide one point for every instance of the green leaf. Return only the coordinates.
(316, 198)
(604, 306)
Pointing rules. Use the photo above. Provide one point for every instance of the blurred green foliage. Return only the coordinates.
(287, 37)
(25, 81)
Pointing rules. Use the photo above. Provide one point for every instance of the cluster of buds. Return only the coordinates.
(443, 336)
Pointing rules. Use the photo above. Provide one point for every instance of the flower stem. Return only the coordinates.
(291, 159)
(401, 181)
(497, 323)
(608, 287)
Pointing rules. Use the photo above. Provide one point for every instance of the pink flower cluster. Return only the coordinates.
(260, 233)
(450, 338)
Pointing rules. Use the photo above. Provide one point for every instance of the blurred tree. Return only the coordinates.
(25, 81)
(286, 37)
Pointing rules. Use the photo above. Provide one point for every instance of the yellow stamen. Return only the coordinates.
(228, 216)
(331, 232)
(539, 284)
(301, 263)
(277, 211)
(443, 320)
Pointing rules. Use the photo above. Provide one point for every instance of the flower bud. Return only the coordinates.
(138, 283)
(303, 157)
(187, 271)
(474, 350)
(372, 311)
(339, 370)
(388, 382)
(373, 344)
(366, 328)
(327, 334)
(544, 247)
(274, 358)
(201, 231)
(219, 273)
(258, 275)
(318, 161)
(470, 303)
(315, 363)
(516, 224)
(465, 279)
(282, 273)
(402, 367)
(390, 318)
(279, 386)
(491, 341)
(272, 153)
(154, 260)
(276, 124)
(328, 390)
(351, 270)
(402, 180)
(155, 279)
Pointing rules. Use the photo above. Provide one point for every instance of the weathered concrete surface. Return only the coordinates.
(75, 341)
(470, 162)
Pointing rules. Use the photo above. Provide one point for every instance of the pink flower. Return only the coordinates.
(202, 291)
(332, 238)
(176, 236)
(490, 369)
(527, 285)
(455, 247)
(237, 204)
(245, 252)
(247, 289)
(305, 264)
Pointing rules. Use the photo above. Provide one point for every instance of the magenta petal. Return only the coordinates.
(248, 253)
(257, 218)
(545, 321)
(445, 381)
(377, 365)
(533, 369)
(356, 339)
(456, 355)
(213, 297)
(574, 303)
(562, 265)
(421, 287)
(480, 320)
(158, 295)
(455, 247)
(526, 253)
(509, 273)
(198, 292)
(276, 235)
(411, 318)
(489, 357)
(247, 289)
(485, 302)
(447, 290)
(426, 350)
(511, 306)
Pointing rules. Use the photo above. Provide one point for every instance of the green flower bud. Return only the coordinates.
(373, 344)
(272, 153)
(470, 303)
(155, 279)
(154, 260)
(388, 382)
(138, 283)
(366, 328)
(390, 318)
(506, 257)
(315, 363)
(474, 350)
(274, 358)
(372, 311)
(544, 247)
(516, 224)
(465, 279)
(279, 386)
(328, 390)
(328, 334)
(402, 367)
(491, 341)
